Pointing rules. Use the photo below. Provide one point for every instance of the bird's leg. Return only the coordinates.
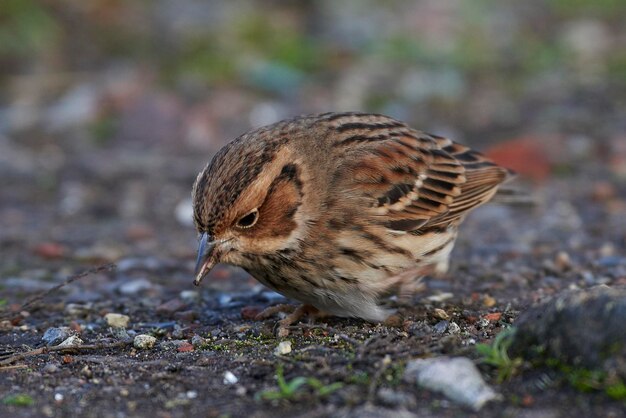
(273, 310)
(295, 313)
(299, 312)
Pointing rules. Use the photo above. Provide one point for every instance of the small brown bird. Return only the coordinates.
(338, 209)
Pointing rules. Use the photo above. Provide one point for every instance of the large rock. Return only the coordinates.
(583, 328)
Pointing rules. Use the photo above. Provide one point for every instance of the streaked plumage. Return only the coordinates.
(333, 207)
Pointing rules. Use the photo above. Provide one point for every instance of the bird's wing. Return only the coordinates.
(412, 181)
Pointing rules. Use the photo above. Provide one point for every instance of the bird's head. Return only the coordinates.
(247, 202)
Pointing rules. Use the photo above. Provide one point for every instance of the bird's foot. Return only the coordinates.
(295, 314)
(273, 310)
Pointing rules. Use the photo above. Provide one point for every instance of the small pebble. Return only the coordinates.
(58, 397)
(50, 368)
(489, 301)
(482, 323)
(191, 394)
(562, 261)
(178, 333)
(72, 341)
(120, 333)
(419, 329)
(441, 327)
(189, 294)
(440, 314)
(198, 341)
(116, 320)
(440, 297)
(284, 347)
(185, 348)
(493, 316)
(135, 286)
(607, 250)
(77, 309)
(172, 344)
(144, 342)
(224, 299)
(230, 378)
(454, 328)
(86, 371)
(54, 336)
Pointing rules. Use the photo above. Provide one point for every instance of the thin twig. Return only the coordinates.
(40, 296)
(37, 298)
(16, 366)
(46, 350)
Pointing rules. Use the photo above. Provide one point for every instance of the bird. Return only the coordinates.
(337, 210)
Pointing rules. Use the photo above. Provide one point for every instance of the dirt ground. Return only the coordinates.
(210, 358)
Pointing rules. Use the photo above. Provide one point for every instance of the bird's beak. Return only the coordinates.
(206, 257)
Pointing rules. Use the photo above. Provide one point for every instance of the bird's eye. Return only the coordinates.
(248, 220)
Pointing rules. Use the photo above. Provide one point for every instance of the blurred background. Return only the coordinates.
(109, 108)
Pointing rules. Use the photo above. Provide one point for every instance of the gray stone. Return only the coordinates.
(441, 327)
(584, 328)
(198, 341)
(456, 377)
(120, 333)
(54, 336)
(135, 286)
(172, 344)
(50, 368)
